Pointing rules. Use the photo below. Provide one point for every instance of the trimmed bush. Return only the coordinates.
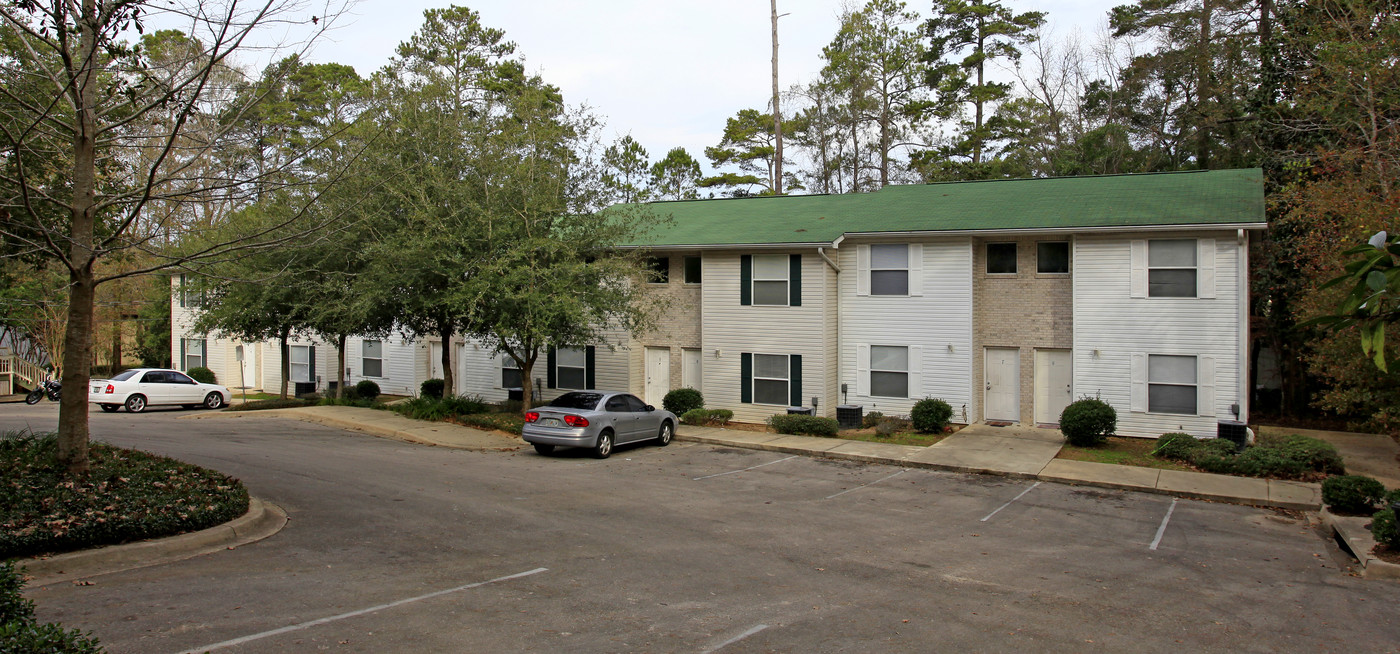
(1088, 422)
(14, 607)
(682, 400)
(274, 403)
(367, 389)
(1352, 494)
(349, 393)
(19, 632)
(1384, 529)
(931, 415)
(890, 425)
(432, 388)
(202, 375)
(1176, 445)
(707, 417)
(871, 419)
(798, 424)
(1315, 454)
(1269, 462)
(1215, 455)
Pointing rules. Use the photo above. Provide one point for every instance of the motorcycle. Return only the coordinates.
(52, 388)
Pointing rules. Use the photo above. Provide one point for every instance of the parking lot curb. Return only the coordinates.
(1352, 532)
(262, 520)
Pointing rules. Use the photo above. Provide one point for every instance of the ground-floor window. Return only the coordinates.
(300, 363)
(771, 376)
(1171, 384)
(194, 353)
(373, 357)
(889, 371)
(510, 373)
(571, 368)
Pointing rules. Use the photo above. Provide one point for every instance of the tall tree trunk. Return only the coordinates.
(77, 354)
(286, 359)
(1203, 89)
(449, 384)
(527, 395)
(340, 369)
(777, 112)
(977, 102)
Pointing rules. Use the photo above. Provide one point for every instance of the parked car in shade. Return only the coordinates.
(597, 420)
(142, 387)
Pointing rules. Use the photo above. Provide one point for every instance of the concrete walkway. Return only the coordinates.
(388, 424)
(1029, 453)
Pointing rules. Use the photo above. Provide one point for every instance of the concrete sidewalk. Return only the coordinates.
(388, 424)
(1024, 452)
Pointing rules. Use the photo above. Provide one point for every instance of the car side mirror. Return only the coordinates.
(650, 408)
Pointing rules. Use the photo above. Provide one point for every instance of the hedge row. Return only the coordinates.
(1279, 457)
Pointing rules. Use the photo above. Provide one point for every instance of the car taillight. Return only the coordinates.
(576, 421)
(110, 389)
(531, 416)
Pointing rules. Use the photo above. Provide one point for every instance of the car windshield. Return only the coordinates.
(583, 401)
(124, 376)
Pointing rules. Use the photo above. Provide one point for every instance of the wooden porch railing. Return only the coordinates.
(15, 370)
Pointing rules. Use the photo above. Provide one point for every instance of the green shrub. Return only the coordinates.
(340, 401)
(274, 403)
(13, 605)
(1088, 422)
(890, 425)
(799, 424)
(349, 393)
(367, 389)
(1215, 455)
(1352, 493)
(1269, 462)
(128, 495)
(510, 406)
(682, 400)
(202, 375)
(871, 419)
(19, 633)
(466, 405)
(1315, 454)
(1384, 529)
(432, 388)
(1176, 445)
(707, 417)
(507, 422)
(931, 415)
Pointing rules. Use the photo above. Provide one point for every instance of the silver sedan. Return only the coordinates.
(596, 420)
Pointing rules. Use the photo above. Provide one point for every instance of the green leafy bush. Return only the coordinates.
(890, 425)
(799, 424)
(510, 406)
(432, 388)
(341, 401)
(506, 422)
(1215, 455)
(931, 415)
(1357, 494)
(367, 389)
(1269, 462)
(128, 495)
(871, 419)
(1384, 529)
(274, 403)
(202, 375)
(1088, 422)
(1315, 454)
(349, 393)
(682, 400)
(707, 417)
(20, 633)
(1176, 446)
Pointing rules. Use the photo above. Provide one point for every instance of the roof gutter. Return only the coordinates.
(1067, 230)
(733, 246)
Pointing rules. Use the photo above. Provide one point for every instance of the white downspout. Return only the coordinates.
(821, 252)
(1242, 347)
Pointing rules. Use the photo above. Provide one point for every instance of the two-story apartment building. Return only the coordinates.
(1008, 299)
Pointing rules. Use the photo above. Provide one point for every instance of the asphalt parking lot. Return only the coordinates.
(694, 548)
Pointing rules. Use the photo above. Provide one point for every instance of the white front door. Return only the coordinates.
(658, 363)
(1003, 385)
(690, 368)
(250, 366)
(1054, 384)
(435, 361)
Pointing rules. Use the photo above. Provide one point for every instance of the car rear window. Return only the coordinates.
(581, 401)
(124, 376)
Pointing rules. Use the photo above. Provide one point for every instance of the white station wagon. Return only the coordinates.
(142, 387)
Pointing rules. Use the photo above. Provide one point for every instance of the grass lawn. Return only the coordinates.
(1123, 452)
(902, 438)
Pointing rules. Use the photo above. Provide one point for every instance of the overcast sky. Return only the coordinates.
(668, 72)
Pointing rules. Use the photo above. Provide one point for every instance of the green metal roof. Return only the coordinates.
(1215, 197)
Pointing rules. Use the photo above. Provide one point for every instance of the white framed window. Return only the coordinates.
(1052, 257)
(889, 269)
(510, 373)
(571, 369)
(771, 379)
(1171, 384)
(770, 279)
(300, 366)
(889, 371)
(194, 353)
(372, 353)
(1171, 267)
(1001, 258)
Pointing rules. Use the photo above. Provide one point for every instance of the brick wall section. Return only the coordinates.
(1026, 311)
(679, 326)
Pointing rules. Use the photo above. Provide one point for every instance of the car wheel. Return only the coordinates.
(603, 449)
(33, 397)
(213, 400)
(136, 404)
(110, 408)
(544, 449)
(667, 432)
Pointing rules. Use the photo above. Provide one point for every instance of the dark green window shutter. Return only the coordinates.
(312, 357)
(588, 368)
(795, 370)
(550, 381)
(746, 279)
(204, 352)
(180, 365)
(746, 373)
(182, 304)
(795, 281)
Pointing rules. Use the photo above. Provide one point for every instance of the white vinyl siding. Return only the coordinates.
(1115, 333)
(936, 327)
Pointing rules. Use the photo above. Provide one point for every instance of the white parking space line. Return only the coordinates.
(342, 616)
(866, 485)
(1013, 500)
(735, 472)
(1163, 529)
(731, 641)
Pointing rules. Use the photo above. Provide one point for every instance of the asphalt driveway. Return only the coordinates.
(393, 547)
